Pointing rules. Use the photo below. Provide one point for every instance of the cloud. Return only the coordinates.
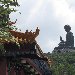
(50, 16)
(34, 11)
(63, 12)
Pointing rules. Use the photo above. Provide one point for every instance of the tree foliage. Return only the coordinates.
(6, 7)
(63, 63)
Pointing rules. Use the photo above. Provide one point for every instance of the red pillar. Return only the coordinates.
(12, 72)
(3, 67)
(22, 72)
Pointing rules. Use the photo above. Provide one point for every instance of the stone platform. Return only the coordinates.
(64, 50)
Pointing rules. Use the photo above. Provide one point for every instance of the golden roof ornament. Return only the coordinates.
(28, 36)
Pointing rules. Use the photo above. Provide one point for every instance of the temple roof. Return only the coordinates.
(27, 36)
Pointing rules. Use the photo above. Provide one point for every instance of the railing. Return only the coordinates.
(35, 66)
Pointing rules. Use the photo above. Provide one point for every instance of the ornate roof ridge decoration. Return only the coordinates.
(28, 36)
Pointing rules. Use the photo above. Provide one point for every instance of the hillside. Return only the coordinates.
(62, 63)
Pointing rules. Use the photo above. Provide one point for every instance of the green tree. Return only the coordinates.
(63, 63)
(6, 8)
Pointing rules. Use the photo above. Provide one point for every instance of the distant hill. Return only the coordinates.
(62, 63)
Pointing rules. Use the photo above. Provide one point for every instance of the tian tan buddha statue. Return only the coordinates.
(69, 43)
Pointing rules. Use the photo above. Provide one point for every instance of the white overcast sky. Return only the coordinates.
(50, 16)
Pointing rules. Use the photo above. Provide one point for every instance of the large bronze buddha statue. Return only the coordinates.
(69, 43)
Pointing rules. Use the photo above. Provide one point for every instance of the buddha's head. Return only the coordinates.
(67, 28)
